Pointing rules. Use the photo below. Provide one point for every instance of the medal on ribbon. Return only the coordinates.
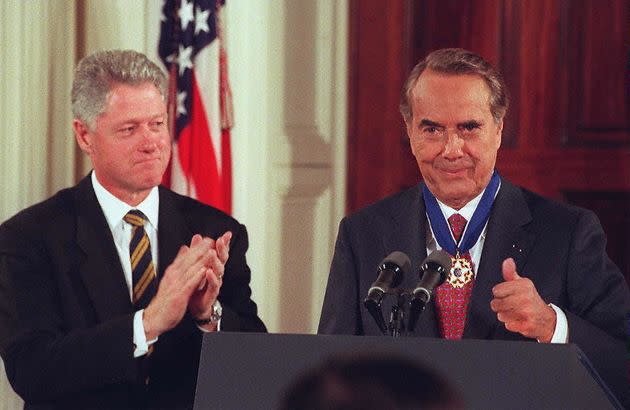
(461, 272)
(461, 267)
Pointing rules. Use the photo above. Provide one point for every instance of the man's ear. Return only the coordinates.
(499, 133)
(82, 135)
(409, 128)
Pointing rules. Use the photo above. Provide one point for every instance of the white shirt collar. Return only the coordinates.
(115, 209)
(466, 211)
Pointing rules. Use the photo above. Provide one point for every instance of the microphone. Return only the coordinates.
(433, 273)
(390, 276)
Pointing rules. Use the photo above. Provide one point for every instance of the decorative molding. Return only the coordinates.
(307, 174)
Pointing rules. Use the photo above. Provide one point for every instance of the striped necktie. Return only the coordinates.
(142, 268)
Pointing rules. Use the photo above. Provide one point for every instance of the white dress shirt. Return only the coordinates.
(561, 332)
(114, 210)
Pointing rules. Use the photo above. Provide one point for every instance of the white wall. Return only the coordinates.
(307, 109)
(287, 65)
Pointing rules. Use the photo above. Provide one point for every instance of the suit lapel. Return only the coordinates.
(408, 234)
(506, 236)
(100, 265)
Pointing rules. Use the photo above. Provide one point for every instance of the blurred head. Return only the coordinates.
(370, 382)
(453, 104)
(120, 121)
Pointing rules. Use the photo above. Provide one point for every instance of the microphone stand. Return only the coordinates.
(416, 307)
(397, 317)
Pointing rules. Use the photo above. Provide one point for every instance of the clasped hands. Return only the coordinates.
(519, 306)
(191, 283)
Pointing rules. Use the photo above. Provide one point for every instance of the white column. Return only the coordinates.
(297, 154)
(247, 26)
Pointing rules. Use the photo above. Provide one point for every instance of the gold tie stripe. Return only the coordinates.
(142, 268)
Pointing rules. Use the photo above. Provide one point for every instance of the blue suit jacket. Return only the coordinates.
(561, 248)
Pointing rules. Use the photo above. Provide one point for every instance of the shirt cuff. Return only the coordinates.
(139, 337)
(210, 331)
(561, 332)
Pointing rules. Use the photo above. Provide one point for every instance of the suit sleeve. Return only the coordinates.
(340, 311)
(239, 310)
(44, 360)
(598, 304)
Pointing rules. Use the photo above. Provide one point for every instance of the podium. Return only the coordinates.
(253, 370)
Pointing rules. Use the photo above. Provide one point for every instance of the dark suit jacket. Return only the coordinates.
(559, 247)
(66, 333)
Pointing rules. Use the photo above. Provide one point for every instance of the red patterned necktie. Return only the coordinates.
(452, 296)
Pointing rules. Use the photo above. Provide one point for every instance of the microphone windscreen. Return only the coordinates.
(399, 259)
(440, 257)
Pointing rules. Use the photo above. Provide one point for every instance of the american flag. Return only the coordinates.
(200, 106)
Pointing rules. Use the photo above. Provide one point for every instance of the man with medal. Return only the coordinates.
(523, 267)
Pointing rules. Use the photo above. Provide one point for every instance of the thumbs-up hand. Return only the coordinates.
(519, 306)
(509, 270)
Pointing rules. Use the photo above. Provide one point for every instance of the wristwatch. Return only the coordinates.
(217, 312)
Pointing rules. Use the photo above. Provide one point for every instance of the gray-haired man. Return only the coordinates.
(523, 267)
(107, 287)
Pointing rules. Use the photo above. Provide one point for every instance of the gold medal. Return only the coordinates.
(461, 272)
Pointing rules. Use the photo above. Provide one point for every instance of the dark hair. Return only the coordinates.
(457, 61)
(370, 382)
